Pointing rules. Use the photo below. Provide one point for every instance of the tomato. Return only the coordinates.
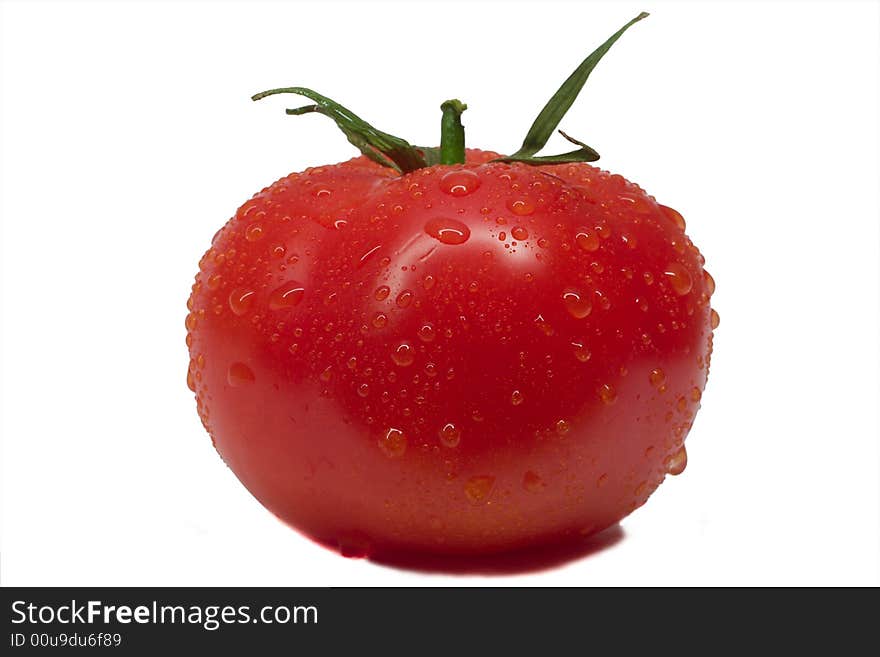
(457, 358)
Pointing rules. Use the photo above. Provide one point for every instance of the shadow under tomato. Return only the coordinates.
(528, 560)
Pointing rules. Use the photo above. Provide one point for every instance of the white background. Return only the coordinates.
(127, 137)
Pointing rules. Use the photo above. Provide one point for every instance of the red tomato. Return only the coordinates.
(463, 358)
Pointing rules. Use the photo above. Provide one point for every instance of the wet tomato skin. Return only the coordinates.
(463, 359)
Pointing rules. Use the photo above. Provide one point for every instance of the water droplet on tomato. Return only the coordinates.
(403, 355)
(676, 463)
(696, 394)
(286, 296)
(679, 278)
(393, 443)
(427, 333)
(478, 488)
(253, 233)
(428, 282)
(581, 352)
(521, 207)
(404, 299)
(321, 192)
(354, 546)
(448, 231)
(363, 390)
(676, 218)
(450, 435)
(240, 300)
(563, 427)
(587, 240)
(532, 482)
(710, 283)
(382, 292)
(578, 305)
(519, 233)
(516, 398)
(460, 183)
(657, 377)
(714, 319)
(607, 393)
(380, 320)
(544, 326)
(239, 375)
(368, 254)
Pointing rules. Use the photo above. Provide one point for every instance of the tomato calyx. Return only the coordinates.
(398, 154)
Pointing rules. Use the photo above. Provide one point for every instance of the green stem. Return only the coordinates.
(452, 132)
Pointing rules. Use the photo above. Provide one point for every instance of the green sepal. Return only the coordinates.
(582, 154)
(549, 117)
(431, 154)
(379, 146)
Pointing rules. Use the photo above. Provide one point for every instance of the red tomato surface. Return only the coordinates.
(463, 359)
